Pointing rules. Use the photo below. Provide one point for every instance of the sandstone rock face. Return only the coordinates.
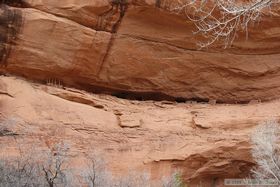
(149, 52)
(10, 24)
(139, 51)
(206, 142)
(93, 14)
(61, 39)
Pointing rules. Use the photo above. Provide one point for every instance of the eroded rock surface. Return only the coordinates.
(11, 22)
(161, 137)
(146, 52)
(152, 54)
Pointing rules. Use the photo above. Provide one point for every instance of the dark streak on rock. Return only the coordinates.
(122, 6)
(158, 3)
(117, 6)
(5, 93)
(6, 132)
(10, 24)
(14, 3)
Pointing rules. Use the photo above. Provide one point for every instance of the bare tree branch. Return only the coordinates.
(221, 20)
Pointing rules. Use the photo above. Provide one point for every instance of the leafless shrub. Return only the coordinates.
(53, 167)
(95, 174)
(220, 20)
(14, 173)
(20, 171)
(34, 168)
(266, 151)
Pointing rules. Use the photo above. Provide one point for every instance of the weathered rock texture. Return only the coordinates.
(149, 52)
(206, 142)
(142, 52)
(11, 20)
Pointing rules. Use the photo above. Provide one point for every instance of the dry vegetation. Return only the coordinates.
(266, 151)
(50, 167)
(221, 20)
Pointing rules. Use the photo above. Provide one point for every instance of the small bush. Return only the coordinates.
(266, 151)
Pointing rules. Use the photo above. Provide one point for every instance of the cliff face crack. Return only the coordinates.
(107, 52)
(121, 6)
(10, 24)
(7, 94)
(158, 3)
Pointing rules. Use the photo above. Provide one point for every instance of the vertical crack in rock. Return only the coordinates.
(117, 5)
(10, 24)
(122, 5)
(165, 4)
(105, 18)
(158, 3)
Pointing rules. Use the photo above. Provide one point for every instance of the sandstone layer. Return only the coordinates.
(146, 52)
(206, 142)
(139, 51)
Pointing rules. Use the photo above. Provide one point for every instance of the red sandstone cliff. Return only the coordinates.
(149, 53)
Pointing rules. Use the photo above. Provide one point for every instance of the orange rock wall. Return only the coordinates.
(153, 52)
